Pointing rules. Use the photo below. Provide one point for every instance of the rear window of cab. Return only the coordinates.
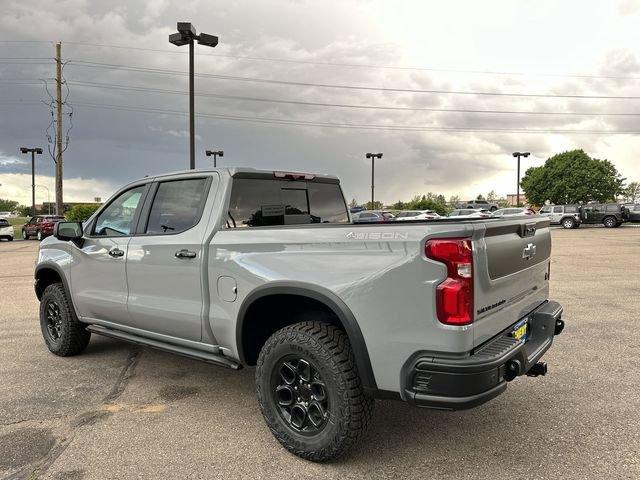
(256, 202)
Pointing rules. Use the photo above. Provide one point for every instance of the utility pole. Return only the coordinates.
(373, 157)
(59, 206)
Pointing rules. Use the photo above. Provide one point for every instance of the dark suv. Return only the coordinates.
(609, 214)
(40, 226)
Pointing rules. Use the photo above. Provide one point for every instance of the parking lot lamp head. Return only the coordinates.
(372, 156)
(216, 154)
(518, 155)
(186, 35)
(33, 152)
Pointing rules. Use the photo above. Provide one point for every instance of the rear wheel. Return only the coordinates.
(63, 333)
(309, 391)
(39, 236)
(568, 222)
(609, 222)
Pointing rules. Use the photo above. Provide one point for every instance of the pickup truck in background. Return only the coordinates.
(240, 267)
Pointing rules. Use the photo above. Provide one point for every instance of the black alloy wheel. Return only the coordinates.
(53, 320)
(301, 396)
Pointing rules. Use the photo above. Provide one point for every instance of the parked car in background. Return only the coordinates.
(568, 216)
(356, 209)
(372, 216)
(634, 212)
(479, 205)
(40, 226)
(7, 215)
(6, 229)
(416, 215)
(502, 212)
(469, 213)
(609, 214)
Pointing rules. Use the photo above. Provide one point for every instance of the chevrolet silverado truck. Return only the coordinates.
(241, 268)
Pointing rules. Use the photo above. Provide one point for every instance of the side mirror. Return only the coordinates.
(68, 231)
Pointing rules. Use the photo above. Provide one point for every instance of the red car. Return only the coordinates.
(40, 226)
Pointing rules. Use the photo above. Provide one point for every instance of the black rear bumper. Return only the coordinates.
(458, 383)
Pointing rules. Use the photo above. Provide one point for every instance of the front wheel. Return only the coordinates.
(25, 236)
(63, 333)
(309, 391)
(568, 223)
(39, 236)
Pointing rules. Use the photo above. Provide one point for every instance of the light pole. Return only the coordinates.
(216, 154)
(518, 155)
(48, 197)
(185, 36)
(33, 152)
(373, 157)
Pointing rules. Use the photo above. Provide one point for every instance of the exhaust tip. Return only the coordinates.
(512, 370)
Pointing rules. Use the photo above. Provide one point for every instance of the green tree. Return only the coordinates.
(399, 205)
(353, 203)
(572, 177)
(377, 205)
(8, 205)
(632, 192)
(81, 213)
(24, 211)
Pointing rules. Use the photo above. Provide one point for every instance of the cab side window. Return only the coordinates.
(177, 206)
(545, 210)
(116, 219)
(557, 209)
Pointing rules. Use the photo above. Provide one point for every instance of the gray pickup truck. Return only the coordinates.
(239, 267)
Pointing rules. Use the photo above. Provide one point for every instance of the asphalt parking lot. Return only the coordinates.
(122, 411)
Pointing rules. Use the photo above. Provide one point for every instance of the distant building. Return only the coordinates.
(512, 199)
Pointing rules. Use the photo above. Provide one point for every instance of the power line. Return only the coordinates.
(342, 105)
(357, 65)
(415, 128)
(83, 63)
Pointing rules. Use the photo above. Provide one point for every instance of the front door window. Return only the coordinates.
(117, 219)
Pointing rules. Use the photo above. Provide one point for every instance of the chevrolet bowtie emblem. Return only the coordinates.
(529, 251)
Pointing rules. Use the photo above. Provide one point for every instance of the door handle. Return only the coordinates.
(184, 253)
(116, 252)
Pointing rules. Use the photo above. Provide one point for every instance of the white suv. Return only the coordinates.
(6, 229)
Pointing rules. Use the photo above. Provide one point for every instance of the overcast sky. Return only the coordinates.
(529, 47)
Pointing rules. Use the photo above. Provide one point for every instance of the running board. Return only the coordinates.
(166, 347)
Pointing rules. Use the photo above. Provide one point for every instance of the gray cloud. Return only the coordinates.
(115, 146)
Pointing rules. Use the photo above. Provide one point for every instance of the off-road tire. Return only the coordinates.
(609, 222)
(73, 338)
(328, 349)
(568, 223)
(24, 235)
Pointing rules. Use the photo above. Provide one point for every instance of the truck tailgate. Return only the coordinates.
(511, 273)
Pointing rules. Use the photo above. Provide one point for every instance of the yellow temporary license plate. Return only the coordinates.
(521, 330)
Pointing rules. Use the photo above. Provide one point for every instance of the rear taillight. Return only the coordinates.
(454, 296)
